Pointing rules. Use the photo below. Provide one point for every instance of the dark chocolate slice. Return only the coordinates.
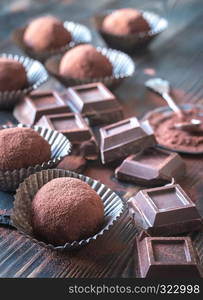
(126, 137)
(166, 257)
(151, 167)
(165, 211)
(39, 103)
(75, 128)
(93, 101)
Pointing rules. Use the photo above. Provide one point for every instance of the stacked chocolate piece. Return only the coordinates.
(30, 109)
(95, 102)
(151, 167)
(166, 210)
(71, 112)
(167, 215)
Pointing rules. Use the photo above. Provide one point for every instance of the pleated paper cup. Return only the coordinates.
(114, 206)
(36, 76)
(80, 34)
(123, 67)
(131, 42)
(60, 147)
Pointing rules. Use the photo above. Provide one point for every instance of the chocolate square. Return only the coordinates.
(74, 127)
(30, 109)
(151, 167)
(166, 211)
(120, 139)
(93, 101)
(176, 251)
(166, 257)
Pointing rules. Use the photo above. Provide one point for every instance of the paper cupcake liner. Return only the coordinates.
(131, 42)
(165, 110)
(36, 75)
(123, 67)
(80, 34)
(60, 147)
(114, 206)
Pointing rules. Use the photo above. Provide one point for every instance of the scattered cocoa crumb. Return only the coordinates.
(73, 163)
(168, 136)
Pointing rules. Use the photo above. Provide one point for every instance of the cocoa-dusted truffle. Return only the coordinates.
(85, 62)
(21, 148)
(125, 21)
(65, 210)
(12, 75)
(46, 33)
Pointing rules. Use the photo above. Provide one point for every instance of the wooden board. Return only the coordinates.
(177, 56)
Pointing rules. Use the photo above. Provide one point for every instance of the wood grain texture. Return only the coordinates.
(177, 56)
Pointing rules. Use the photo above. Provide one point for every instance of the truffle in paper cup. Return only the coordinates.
(123, 67)
(129, 43)
(80, 34)
(36, 76)
(114, 206)
(60, 147)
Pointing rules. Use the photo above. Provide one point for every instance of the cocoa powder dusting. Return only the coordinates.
(66, 210)
(73, 163)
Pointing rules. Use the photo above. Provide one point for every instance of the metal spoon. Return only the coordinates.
(162, 87)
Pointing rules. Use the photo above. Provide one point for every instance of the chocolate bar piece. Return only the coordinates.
(165, 211)
(166, 257)
(151, 167)
(126, 137)
(74, 127)
(93, 101)
(39, 103)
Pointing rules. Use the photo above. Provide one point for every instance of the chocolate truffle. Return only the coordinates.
(21, 148)
(85, 62)
(46, 33)
(66, 210)
(12, 75)
(125, 21)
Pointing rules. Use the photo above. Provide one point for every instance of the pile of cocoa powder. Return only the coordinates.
(167, 135)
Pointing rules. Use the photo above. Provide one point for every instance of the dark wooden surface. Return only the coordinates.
(176, 55)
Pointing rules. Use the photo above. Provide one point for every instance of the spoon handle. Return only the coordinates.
(172, 104)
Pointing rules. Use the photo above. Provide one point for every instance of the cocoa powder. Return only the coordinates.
(167, 135)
